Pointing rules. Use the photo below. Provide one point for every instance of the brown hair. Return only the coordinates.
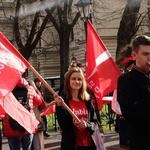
(140, 40)
(124, 53)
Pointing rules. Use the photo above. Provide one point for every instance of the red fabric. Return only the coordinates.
(12, 66)
(22, 82)
(50, 110)
(83, 137)
(5, 43)
(101, 71)
(36, 98)
(8, 131)
(2, 112)
(43, 105)
(127, 61)
(19, 113)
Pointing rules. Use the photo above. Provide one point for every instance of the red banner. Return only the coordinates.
(2, 112)
(49, 111)
(19, 113)
(12, 66)
(101, 71)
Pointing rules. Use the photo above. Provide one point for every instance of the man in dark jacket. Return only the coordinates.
(134, 94)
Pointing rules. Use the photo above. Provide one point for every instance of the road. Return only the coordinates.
(53, 142)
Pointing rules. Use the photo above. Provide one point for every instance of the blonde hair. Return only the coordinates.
(83, 95)
(31, 82)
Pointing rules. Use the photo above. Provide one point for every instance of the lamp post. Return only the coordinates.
(85, 9)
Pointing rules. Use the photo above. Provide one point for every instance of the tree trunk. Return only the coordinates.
(64, 52)
(128, 25)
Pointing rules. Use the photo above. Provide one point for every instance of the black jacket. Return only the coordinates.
(134, 99)
(65, 122)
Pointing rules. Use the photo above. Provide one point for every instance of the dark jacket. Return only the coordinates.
(65, 122)
(134, 99)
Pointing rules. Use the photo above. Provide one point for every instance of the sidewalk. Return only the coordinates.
(53, 142)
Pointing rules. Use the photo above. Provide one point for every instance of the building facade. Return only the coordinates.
(106, 18)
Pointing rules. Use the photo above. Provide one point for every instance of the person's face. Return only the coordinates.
(76, 81)
(38, 84)
(142, 57)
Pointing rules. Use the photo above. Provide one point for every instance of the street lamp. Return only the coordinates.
(85, 8)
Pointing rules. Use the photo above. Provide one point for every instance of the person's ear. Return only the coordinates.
(133, 54)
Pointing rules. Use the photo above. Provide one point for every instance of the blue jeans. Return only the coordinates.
(36, 142)
(21, 142)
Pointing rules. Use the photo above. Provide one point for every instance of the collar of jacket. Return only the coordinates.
(141, 70)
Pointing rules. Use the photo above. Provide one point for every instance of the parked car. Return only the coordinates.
(54, 83)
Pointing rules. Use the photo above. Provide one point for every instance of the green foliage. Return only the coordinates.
(1, 125)
(108, 118)
(52, 122)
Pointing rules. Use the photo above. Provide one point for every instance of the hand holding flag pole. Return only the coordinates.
(7, 46)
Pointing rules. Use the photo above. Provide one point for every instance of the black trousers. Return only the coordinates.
(45, 122)
(84, 148)
(124, 131)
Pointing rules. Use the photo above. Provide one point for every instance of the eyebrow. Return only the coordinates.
(145, 52)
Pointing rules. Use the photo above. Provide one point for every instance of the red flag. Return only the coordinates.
(2, 112)
(19, 113)
(50, 110)
(101, 71)
(12, 66)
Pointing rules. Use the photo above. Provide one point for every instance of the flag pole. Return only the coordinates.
(15, 52)
(53, 92)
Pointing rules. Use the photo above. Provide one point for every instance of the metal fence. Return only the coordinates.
(108, 119)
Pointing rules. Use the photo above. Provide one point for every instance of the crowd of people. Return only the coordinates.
(89, 118)
(23, 140)
(133, 96)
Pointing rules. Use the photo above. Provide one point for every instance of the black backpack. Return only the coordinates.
(21, 94)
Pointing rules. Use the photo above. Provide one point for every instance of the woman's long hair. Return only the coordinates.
(83, 95)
